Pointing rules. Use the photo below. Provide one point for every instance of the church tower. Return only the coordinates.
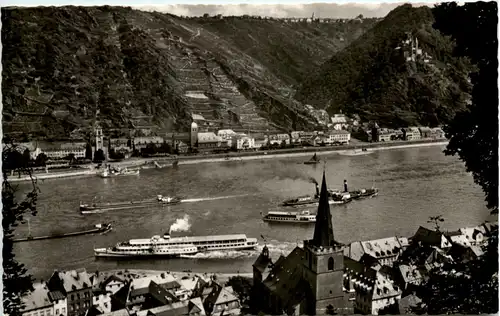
(99, 137)
(324, 263)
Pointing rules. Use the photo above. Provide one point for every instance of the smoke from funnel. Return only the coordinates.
(181, 225)
(316, 184)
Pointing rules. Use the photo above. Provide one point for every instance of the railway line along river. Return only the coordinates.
(228, 197)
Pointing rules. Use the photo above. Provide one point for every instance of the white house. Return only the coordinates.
(242, 142)
(339, 122)
(339, 136)
(226, 134)
(278, 139)
(374, 291)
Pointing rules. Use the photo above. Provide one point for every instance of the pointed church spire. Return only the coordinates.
(323, 230)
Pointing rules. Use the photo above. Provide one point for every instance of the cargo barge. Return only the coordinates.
(98, 228)
(103, 207)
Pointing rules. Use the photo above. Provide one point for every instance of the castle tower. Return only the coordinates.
(324, 263)
(193, 135)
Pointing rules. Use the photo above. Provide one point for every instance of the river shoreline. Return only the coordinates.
(147, 163)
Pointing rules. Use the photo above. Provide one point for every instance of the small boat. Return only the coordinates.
(108, 173)
(356, 152)
(169, 200)
(98, 228)
(290, 217)
(314, 160)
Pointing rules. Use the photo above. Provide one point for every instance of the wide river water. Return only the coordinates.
(228, 197)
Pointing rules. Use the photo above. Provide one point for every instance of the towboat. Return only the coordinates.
(108, 173)
(169, 200)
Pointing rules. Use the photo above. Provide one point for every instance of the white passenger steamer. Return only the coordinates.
(178, 246)
(303, 217)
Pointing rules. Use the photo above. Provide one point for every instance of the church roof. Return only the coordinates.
(323, 230)
(285, 280)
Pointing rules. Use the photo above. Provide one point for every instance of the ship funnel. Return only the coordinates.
(317, 189)
(345, 186)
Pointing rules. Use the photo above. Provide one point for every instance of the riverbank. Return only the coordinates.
(147, 163)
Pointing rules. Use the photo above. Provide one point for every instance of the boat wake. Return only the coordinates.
(212, 198)
(276, 249)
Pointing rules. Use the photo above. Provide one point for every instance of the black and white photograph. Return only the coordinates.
(225, 158)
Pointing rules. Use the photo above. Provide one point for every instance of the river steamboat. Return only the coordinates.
(177, 246)
(304, 217)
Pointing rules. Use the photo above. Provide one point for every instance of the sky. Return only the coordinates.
(272, 8)
(283, 8)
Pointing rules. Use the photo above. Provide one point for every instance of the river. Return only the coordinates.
(227, 198)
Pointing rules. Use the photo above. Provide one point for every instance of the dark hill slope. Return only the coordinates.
(373, 78)
(63, 65)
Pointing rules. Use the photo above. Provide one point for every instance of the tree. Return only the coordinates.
(99, 156)
(473, 132)
(26, 157)
(88, 152)
(465, 288)
(16, 281)
(41, 160)
(242, 287)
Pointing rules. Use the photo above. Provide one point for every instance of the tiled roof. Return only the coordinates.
(460, 239)
(56, 296)
(140, 286)
(198, 303)
(121, 312)
(410, 273)
(382, 248)
(188, 284)
(286, 275)
(208, 137)
(384, 288)
(176, 309)
(338, 132)
(74, 280)
(112, 277)
(38, 298)
(226, 295)
(161, 295)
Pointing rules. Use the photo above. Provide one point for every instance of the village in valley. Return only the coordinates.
(204, 138)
